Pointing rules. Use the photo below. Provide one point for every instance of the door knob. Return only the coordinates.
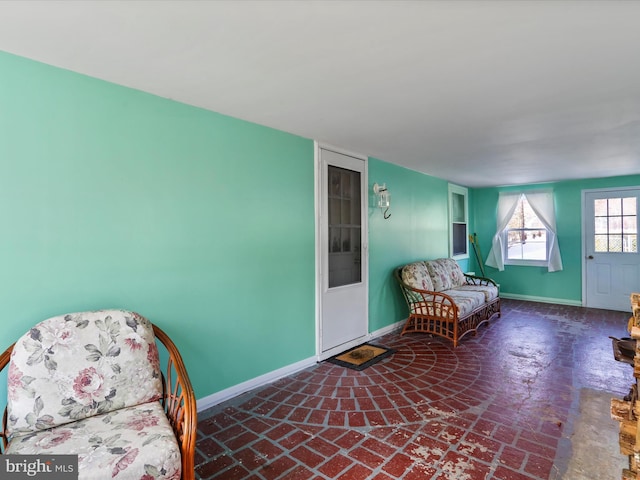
(590, 257)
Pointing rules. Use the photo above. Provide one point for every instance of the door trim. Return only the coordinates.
(318, 247)
(583, 220)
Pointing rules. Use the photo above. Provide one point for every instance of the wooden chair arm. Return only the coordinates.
(473, 280)
(4, 361)
(437, 305)
(180, 404)
(442, 304)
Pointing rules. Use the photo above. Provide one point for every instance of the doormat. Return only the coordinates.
(362, 356)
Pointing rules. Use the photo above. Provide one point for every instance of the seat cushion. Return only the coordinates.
(74, 366)
(466, 300)
(490, 291)
(133, 442)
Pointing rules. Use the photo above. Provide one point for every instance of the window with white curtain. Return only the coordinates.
(525, 237)
(526, 233)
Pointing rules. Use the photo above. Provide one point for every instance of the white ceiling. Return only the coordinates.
(481, 93)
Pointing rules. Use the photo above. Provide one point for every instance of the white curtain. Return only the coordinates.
(507, 203)
(541, 202)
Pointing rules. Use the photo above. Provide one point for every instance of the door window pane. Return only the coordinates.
(616, 225)
(345, 229)
(615, 206)
(600, 207)
(601, 225)
(629, 206)
(630, 243)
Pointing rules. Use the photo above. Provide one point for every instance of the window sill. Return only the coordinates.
(527, 263)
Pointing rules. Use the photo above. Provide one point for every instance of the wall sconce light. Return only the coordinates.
(384, 198)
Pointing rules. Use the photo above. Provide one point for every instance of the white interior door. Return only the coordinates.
(612, 262)
(343, 277)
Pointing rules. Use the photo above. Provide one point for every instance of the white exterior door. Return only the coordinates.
(342, 254)
(611, 260)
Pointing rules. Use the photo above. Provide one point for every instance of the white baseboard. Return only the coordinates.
(532, 298)
(388, 329)
(228, 393)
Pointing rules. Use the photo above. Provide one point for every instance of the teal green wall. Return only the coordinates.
(113, 198)
(565, 285)
(416, 230)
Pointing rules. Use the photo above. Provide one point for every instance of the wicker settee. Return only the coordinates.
(91, 384)
(444, 301)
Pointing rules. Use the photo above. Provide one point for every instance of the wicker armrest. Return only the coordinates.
(4, 361)
(441, 305)
(180, 404)
(428, 296)
(474, 280)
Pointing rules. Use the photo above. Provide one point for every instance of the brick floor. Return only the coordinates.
(497, 407)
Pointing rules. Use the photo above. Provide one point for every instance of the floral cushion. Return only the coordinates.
(490, 291)
(74, 366)
(133, 442)
(466, 301)
(445, 273)
(453, 271)
(417, 276)
(439, 275)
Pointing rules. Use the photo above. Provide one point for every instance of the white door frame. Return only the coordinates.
(583, 195)
(319, 253)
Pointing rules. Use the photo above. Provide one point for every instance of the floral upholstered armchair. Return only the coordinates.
(90, 384)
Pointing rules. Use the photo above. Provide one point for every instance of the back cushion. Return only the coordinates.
(453, 271)
(417, 276)
(445, 273)
(441, 280)
(78, 365)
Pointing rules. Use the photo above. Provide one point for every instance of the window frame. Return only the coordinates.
(608, 234)
(523, 262)
(464, 192)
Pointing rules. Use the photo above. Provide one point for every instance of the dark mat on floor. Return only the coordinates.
(361, 357)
